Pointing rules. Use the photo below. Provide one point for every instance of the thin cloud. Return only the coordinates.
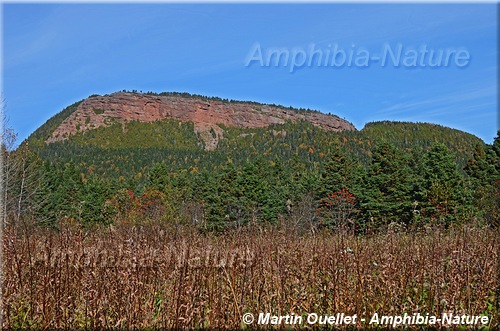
(446, 104)
(26, 52)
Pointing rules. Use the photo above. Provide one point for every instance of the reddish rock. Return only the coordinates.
(100, 111)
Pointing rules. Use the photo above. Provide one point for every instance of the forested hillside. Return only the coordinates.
(294, 172)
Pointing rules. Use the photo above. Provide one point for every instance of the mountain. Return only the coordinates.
(132, 131)
(207, 115)
(133, 157)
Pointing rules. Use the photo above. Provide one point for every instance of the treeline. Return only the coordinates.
(295, 175)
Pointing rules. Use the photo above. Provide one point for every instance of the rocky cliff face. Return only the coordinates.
(206, 115)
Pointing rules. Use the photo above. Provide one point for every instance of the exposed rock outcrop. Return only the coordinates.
(207, 115)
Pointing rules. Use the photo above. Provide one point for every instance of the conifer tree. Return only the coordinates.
(389, 187)
(443, 184)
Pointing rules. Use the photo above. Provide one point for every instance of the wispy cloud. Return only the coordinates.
(26, 51)
(463, 100)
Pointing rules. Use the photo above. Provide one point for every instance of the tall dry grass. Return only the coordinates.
(150, 277)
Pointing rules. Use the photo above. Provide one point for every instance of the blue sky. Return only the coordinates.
(57, 54)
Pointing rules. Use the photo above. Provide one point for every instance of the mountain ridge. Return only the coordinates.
(207, 114)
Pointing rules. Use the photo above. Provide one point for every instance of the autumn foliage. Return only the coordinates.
(339, 210)
(128, 208)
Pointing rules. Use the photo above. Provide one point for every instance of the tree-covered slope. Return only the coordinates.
(40, 135)
(135, 145)
(420, 136)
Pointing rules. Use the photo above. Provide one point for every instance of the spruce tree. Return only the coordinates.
(389, 187)
(443, 185)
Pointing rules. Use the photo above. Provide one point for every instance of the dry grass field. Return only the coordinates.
(152, 278)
